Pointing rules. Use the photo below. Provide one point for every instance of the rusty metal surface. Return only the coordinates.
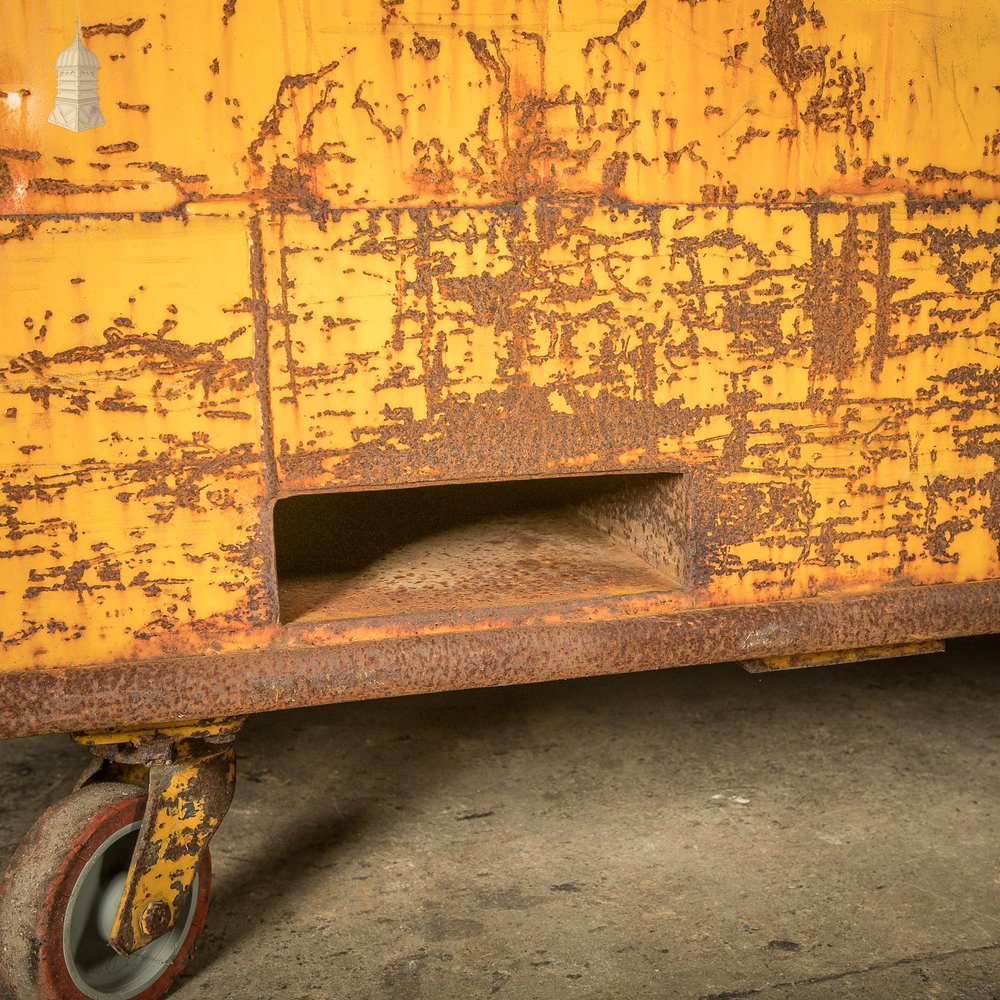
(190, 777)
(414, 102)
(499, 564)
(798, 661)
(325, 247)
(153, 744)
(188, 799)
(110, 695)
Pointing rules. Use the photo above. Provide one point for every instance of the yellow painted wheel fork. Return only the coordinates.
(190, 772)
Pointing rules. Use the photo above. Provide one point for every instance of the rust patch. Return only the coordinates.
(118, 147)
(28, 155)
(629, 18)
(294, 189)
(360, 102)
(56, 185)
(175, 176)
(747, 137)
(270, 125)
(23, 229)
(121, 402)
(426, 48)
(791, 62)
(932, 173)
(393, 12)
(106, 28)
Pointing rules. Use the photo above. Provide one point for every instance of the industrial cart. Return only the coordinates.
(358, 349)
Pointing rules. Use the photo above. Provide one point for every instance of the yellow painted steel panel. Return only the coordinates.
(130, 472)
(418, 102)
(342, 245)
(673, 340)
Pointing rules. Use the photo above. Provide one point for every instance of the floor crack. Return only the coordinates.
(833, 976)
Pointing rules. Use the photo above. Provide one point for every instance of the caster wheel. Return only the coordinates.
(59, 899)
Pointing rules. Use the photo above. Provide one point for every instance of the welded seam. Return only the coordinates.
(260, 362)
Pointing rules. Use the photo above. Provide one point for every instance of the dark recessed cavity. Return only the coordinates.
(454, 549)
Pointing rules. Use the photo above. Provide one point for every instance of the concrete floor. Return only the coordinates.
(696, 833)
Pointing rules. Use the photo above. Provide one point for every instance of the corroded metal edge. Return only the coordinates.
(835, 657)
(161, 691)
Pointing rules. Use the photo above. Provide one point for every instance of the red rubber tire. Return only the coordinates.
(38, 887)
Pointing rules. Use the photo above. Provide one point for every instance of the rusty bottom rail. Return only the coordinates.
(162, 691)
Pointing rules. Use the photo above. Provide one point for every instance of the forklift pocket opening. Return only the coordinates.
(427, 549)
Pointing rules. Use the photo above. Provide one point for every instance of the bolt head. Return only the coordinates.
(155, 918)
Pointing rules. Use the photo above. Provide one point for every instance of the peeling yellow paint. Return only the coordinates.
(433, 241)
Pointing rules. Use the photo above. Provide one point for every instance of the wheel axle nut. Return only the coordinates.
(155, 918)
